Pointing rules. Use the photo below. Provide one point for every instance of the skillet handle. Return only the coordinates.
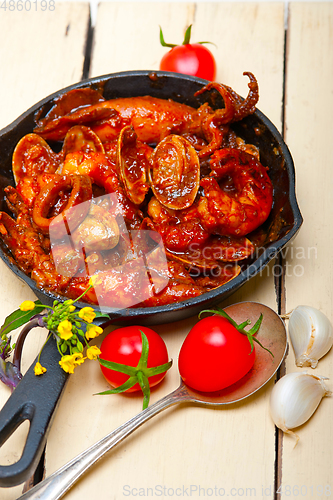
(35, 399)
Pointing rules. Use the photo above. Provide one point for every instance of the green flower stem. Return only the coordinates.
(40, 352)
(17, 355)
(82, 294)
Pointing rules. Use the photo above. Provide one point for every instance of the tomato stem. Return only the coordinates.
(186, 40)
(122, 388)
(144, 384)
(137, 374)
(249, 333)
(163, 43)
(187, 36)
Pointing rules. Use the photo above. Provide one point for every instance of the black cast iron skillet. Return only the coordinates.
(36, 398)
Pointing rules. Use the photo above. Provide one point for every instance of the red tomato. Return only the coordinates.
(124, 346)
(192, 59)
(214, 355)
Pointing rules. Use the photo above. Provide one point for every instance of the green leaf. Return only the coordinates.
(142, 365)
(250, 339)
(212, 43)
(128, 370)
(256, 326)
(19, 318)
(187, 36)
(156, 370)
(101, 315)
(144, 384)
(256, 340)
(244, 324)
(122, 388)
(220, 312)
(163, 43)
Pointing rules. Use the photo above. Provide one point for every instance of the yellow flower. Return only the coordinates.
(27, 305)
(93, 352)
(39, 369)
(95, 280)
(79, 359)
(87, 314)
(69, 303)
(93, 331)
(65, 329)
(70, 361)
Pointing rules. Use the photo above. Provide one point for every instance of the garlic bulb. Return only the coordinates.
(294, 398)
(311, 335)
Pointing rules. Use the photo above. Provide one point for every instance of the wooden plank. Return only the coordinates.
(309, 134)
(127, 34)
(40, 53)
(186, 445)
(45, 51)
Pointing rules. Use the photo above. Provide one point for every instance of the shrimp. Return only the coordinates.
(238, 194)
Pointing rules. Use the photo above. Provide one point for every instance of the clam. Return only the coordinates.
(132, 165)
(33, 156)
(81, 138)
(174, 172)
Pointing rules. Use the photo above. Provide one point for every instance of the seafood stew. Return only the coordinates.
(91, 149)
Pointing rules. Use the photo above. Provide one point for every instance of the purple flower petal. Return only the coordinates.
(9, 374)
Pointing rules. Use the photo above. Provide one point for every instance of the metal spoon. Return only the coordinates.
(272, 334)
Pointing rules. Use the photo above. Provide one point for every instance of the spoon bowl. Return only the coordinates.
(272, 335)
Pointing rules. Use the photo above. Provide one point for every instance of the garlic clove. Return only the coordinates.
(294, 399)
(311, 335)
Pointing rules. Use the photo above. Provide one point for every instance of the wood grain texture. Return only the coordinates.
(40, 52)
(185, 445)
(309, 134)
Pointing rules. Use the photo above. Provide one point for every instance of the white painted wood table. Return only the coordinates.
(192, 451)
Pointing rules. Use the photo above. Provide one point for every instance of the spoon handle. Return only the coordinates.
(58, 483)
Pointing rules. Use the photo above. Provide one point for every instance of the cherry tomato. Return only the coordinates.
(124, 346)
(214, 355)
(190, 58)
